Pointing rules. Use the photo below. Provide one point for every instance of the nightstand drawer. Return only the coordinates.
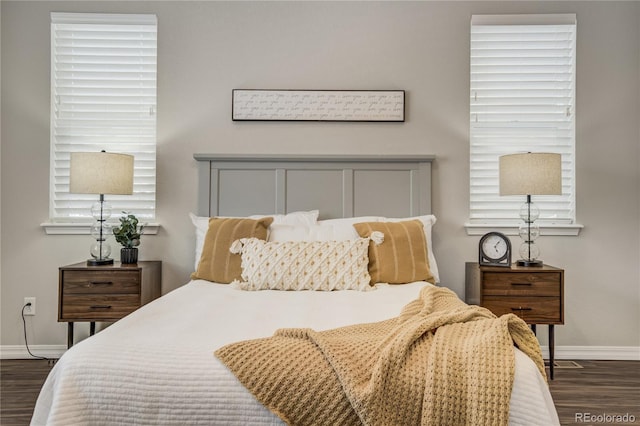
(98, 307)
(519, 284)
(82, 282)
(532, 309)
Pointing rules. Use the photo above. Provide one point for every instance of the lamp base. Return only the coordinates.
(524, 262)
(99, 262)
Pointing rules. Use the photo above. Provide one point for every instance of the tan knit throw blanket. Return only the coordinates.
(441, 362)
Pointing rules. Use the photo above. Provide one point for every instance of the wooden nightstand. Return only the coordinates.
(105, 293)
(535, 294)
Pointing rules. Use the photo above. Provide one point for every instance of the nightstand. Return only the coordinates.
(535, 294)
(105, 293)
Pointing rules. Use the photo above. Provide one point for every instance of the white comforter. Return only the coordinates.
(156, 366)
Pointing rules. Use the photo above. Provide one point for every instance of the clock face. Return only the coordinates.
(494, 247)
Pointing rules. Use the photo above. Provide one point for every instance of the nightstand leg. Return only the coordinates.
(69, 334)
(92, 328)
(551, 349)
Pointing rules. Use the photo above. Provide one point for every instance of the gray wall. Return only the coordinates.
(208, 48)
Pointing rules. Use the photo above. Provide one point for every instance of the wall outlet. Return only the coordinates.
(30, 310)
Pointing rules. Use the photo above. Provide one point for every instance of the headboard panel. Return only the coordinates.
(338, 186)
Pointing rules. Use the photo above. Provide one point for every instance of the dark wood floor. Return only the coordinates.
(20, 383)
(599, 388)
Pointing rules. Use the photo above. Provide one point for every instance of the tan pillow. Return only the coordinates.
(217, 263)
(402, 256)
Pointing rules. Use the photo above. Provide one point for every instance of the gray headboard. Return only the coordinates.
(338, 186)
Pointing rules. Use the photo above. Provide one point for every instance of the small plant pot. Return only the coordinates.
(129, 255)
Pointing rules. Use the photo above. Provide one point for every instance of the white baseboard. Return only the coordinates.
(615, 353)
(20, 351)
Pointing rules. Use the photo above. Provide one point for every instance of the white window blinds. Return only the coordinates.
(103, 97)
(522, 100)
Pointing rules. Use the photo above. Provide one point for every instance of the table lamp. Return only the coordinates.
(530, 174)
(101, 173)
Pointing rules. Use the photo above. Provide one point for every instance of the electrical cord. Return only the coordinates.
(24, 328)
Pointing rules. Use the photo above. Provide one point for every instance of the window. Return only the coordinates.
(103, 97)
(522, 100)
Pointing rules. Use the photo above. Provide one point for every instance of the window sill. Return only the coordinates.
(567, 230)
(83, 228)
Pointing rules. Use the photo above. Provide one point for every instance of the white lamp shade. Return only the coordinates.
(530, 173)
(101, 173)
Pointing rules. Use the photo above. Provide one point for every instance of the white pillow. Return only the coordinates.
(303, 265)
(283, 232)
(340, 229)
(201, 223)
(324, 230)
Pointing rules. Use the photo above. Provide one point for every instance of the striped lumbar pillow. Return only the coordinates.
(217, 263)
(402, 257)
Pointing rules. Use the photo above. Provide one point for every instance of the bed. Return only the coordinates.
(157, 365)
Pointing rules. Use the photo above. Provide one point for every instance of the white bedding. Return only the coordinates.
(156, 366)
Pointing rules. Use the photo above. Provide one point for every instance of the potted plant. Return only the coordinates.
(128, 235)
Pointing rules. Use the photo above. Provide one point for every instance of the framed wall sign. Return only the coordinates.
(317, 105)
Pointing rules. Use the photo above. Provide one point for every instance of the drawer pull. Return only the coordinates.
(101, 283)
(520, 309)
(528, 284)
(100, 307)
